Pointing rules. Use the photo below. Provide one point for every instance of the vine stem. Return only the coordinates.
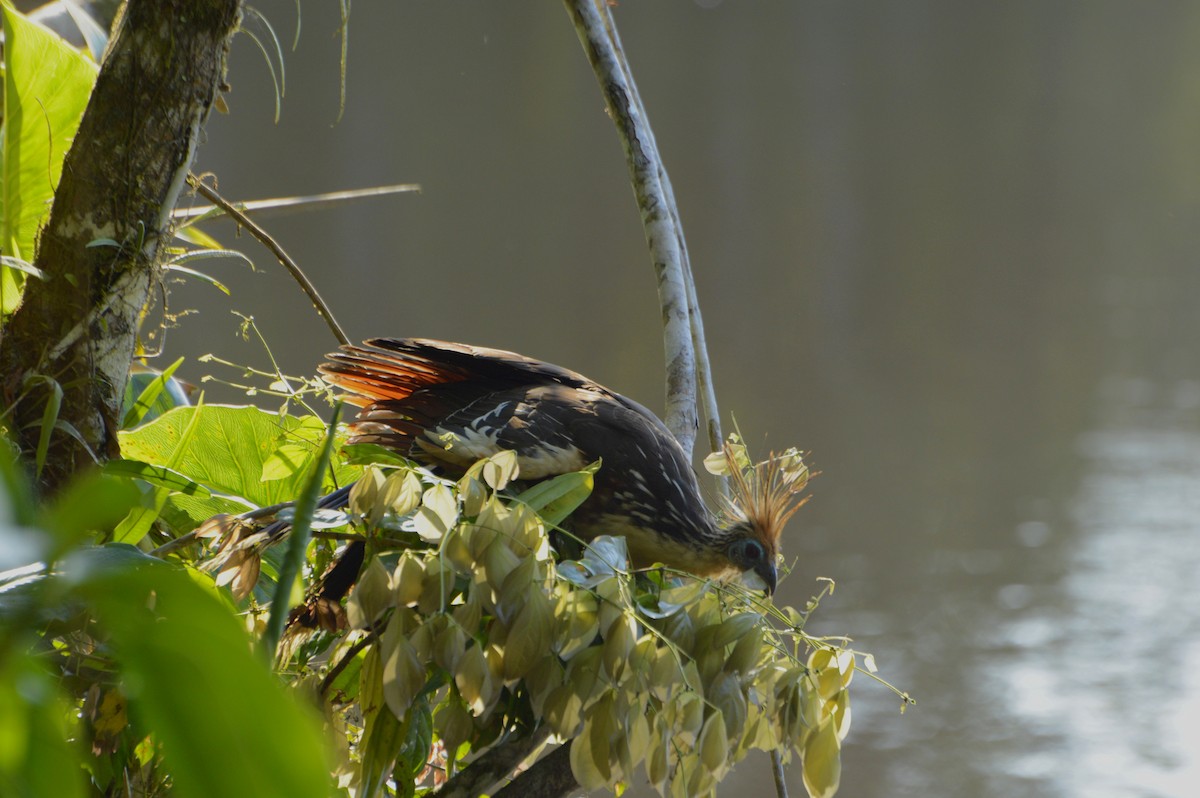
(210, 194)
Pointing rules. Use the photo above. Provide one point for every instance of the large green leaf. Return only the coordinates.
(241, 451)
(227, 725)
(46, 88)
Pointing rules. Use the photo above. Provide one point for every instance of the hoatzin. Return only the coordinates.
(447, 405)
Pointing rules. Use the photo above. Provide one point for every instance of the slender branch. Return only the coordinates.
(242, 219)
(549, 777)
(708, 394)
(598, 35)
(781, 789)
(497, 763)
(330, 677)
(282, 206)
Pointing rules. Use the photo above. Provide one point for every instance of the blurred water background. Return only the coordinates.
(949, 248)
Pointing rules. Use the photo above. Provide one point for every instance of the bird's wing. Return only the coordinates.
(393, 368)
(645, 470)
(450, 404)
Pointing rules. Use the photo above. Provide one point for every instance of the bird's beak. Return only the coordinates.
(767, 573)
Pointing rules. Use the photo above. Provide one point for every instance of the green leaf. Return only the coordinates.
(18, 505)
(184, 513)
(288, 458)
(474, 681)
(414, 753)
(555, 499)
(293, 557)
(500, 469)
(201, 276)
(150, 385)
(372, 454)
(84, 563)
(345, 687)
(191, 234)
(372, 594)
(49, 418)
(531, 635)
(231, 448)
(208, 253)
(381, 744)
(713, 744)
(402, 491)
(137, 524)
(46, 88)
(197, 684)
(579, 622)
(22, 266)
(717, 464)
(734, 627)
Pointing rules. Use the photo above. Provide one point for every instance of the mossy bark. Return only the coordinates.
(122, 176)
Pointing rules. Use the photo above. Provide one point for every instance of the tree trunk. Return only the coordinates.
(120, 181)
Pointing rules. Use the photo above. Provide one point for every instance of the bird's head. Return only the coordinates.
(763, 497)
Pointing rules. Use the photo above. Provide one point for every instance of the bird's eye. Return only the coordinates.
(745, 552)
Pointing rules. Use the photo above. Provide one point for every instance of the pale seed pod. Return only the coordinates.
(408, 579)
(372, 594)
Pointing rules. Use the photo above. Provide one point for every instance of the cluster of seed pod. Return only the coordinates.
(478, 630)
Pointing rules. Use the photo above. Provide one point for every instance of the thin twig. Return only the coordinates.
(777, 769)
(598, 35)
(372, 634)
(282, 206)
(703, 378)
(323, 310)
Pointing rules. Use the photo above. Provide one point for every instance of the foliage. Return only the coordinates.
(462, 633)
(464, 629)
(479, 631)
(46, 88)
(135, 670)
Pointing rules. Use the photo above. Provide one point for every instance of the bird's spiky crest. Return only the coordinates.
(766, 494)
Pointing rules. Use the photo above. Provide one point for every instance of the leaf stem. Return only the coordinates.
(306, 504)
